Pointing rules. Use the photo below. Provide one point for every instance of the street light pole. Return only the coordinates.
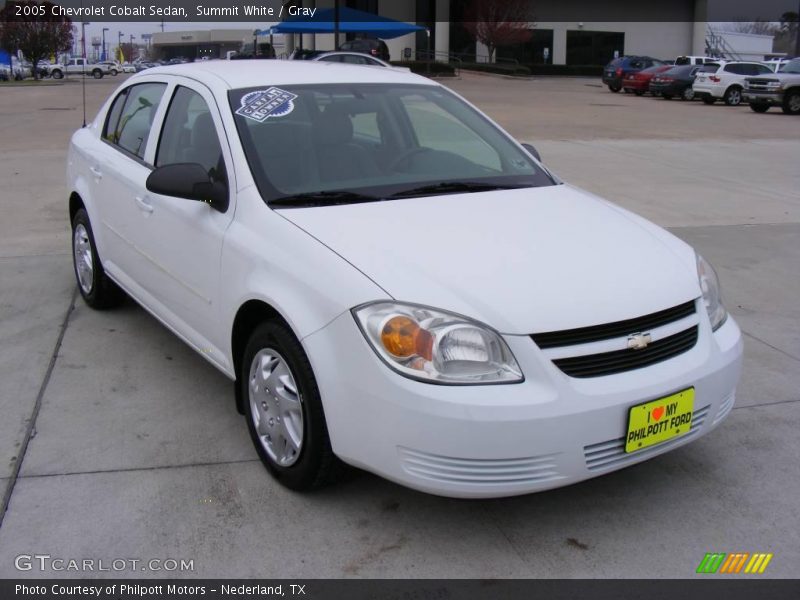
(130, 58)
(105, 55)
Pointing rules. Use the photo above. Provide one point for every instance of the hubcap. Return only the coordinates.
(734, 97)
(84, 264)
(794, 103)
(688, 93)
(276, 407)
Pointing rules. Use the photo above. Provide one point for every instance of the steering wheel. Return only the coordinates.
(406, 155)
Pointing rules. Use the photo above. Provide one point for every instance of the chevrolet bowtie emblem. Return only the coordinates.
(639, 341)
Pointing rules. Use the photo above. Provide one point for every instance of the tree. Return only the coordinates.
(758, 27)
(499, 23)
(37, 37)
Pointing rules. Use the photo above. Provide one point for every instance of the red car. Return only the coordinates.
(639, 82)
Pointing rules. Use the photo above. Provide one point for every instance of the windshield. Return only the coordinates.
(793, 66)
(374, 141)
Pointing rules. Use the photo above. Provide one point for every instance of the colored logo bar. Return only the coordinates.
(734, 563)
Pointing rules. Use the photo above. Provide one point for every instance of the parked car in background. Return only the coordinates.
(20, 69)
(778, 89)
(79, 66)
(676, 81)
(128, 67)
(306, 54)
(639, 82)
(142, 66)
(5, 72)
(725, 81)
(372, 46)
(615, 72)
(694, 60)
(351, 58)
(393, 281)
(113, 67)
(776, 64)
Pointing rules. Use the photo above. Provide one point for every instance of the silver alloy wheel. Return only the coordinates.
(276, 407)
(84, 261)
(688, 93)
(734, 97)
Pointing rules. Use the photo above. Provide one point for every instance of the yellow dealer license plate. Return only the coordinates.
(659, 420)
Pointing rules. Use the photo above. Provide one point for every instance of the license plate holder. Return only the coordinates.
(658, 421)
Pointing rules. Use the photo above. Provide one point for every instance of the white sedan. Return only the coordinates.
(393, 282)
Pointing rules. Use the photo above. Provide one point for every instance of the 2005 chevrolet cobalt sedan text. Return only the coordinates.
(393, 282)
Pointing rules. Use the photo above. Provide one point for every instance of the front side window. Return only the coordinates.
(130, 127)
(380, 140)
(189, 135)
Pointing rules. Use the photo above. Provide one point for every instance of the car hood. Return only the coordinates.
(523, 261)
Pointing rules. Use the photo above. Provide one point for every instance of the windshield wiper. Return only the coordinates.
(332, 198)
(453, 187)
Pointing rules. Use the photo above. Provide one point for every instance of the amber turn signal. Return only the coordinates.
(403, 337)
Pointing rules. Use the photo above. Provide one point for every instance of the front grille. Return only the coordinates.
(619, 361)
(486, 472)
(612, 453)
(762, 85)
(594, 333)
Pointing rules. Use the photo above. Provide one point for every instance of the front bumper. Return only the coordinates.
(772, 98)
(501, 440)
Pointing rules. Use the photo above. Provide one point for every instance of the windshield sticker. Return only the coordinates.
(263, 104)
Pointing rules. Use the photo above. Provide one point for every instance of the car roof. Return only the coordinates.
(253, 73)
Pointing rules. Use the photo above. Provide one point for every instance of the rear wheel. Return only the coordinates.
(687, 94)
(57, 75)
(97, 74)
(709, 99)
(733, 96)
(284, 409)
(791, 103)
(94, 285)
(614, 88)
(759, 107)
(667, 96)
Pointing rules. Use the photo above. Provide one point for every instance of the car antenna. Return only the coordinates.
(83, 80)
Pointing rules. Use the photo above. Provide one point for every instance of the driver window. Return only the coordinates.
(190, 136)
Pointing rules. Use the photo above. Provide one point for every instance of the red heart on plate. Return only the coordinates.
(658, 413)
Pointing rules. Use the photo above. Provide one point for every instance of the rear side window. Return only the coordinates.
(709, 68)
(736, 69)
(109, 131)
(129, 128)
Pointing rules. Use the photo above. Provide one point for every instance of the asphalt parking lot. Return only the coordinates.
(135, 449)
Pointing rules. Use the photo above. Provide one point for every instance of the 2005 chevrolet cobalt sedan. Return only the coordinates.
(393, 282)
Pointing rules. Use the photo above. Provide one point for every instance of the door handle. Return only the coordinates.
(144, 204)
(96, 172)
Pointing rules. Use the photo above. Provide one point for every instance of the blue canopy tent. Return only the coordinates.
(350, 20)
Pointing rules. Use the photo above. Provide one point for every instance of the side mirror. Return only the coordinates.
(532, 150)
(190, 181)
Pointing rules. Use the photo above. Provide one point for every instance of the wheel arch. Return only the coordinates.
(250, 314)
(75, 204)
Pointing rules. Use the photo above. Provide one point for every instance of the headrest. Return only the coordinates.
(334, 127)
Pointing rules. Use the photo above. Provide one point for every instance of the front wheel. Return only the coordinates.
(284, 409)
(759, 107)
(709, 99)
(791, 103)
(57, 75)
(95, 287)
(614, 88)
(733, 96)
(97, 74)
(114, 72)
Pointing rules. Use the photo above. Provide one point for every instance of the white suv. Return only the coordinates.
(725, 81)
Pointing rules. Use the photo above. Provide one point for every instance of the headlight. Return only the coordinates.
(709, 284)
(436, 346)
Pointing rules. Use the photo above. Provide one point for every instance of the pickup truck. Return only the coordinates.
(778, 89)
(79, 66)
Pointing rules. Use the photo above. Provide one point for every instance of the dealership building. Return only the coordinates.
(672, 28)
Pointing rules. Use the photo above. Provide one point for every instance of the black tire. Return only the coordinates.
(103, 292)
(97, 74)
(614, 88)
(791, 102)
(733, 96)
(639, 93)
(687, 94)
(759, 107)
(316, 464)
(666, 96)
(114, 72)
(57, 74)
(709, 99)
